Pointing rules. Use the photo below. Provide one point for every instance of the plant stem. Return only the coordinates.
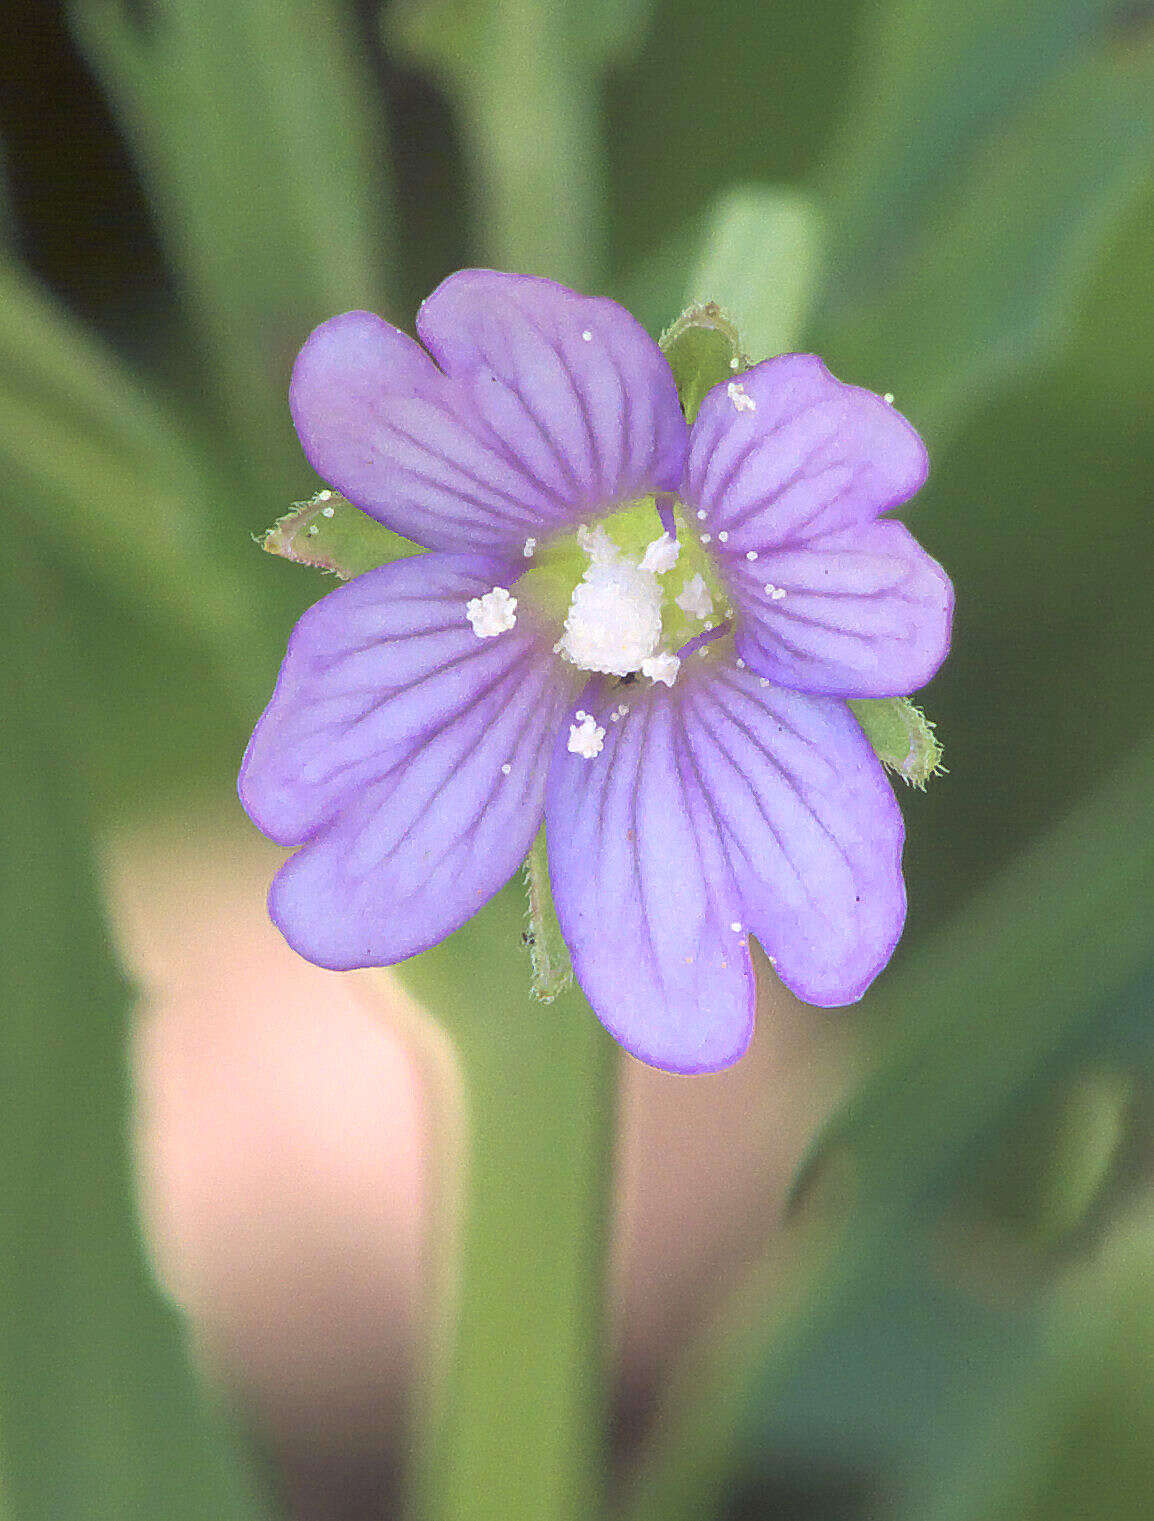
(513, 1420)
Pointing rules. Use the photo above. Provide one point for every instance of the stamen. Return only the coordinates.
(494, 613)
(735, 390)
(694, 598)
(586, 738)
(661, 555)
(663, 668)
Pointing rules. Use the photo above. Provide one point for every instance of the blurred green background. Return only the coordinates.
(951, 203)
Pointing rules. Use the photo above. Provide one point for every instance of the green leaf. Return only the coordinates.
(257, 130)
(328, 532)
(902, 736)
(933, 84)
(990, 284)
(759, 259)
(102, 1417)
(524, 79)
(104, 476)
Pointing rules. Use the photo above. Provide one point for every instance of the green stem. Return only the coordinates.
(525, 83)
(513, 1422)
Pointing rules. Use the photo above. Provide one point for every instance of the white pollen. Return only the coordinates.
(751, 554)
(741, 402)
(703, 651)
(494, 613)
(323, 496)
(723, 537)
(328, 512)
(763, 681)
(705, 537)
(580, 714)
(663, 668)
(614, 617)
(736, 926)
(587, 738)
(779, 593)
(740, 664)
(735, 363)
(587, 335)
(888, 398)
(311, 529)
(701, 514)
(529, 547)
(623, 709)
(694, 598)
(615, 717)
(661, 555)
(506, 768)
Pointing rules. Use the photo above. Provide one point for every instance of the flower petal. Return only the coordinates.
(527, 428)
(383, 750)
(787, 453)
(862, 612)
(720, 808)
(574, 383)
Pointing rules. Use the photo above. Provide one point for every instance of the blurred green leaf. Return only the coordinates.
(524, 78)
(977, 1009)
(1075, 1439)
(105, 477)
(933, 82)
(256, 128)
(101, 1415)
(990, 283)
(760, 259)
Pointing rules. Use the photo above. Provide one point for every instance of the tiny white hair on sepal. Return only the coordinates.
(741, 402)
(494, 613)
(663, 667)
(586, 738)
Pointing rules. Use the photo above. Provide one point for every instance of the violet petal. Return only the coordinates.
(862, 612)
(528, 427)
(383, 752)
(791, 453)
(720, 808)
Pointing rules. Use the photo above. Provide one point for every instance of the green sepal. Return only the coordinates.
(548, 953)
(902, 736)
(331, 534)
(703, 348)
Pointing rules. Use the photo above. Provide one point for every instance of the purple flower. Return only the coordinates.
(642, 633)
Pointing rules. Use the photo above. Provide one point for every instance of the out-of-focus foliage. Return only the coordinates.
(952, 203)
(101, 1415)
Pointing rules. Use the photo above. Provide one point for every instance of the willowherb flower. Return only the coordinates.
(642, 633)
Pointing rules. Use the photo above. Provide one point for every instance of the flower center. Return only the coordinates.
(628, 593)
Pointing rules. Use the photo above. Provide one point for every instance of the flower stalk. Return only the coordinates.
(512, 1416)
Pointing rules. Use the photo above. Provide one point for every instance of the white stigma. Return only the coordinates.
(586, 738)
(614, 617)
(694, 598)
(663, 667)
(741, 402)
(494, 613)
(661, 555)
